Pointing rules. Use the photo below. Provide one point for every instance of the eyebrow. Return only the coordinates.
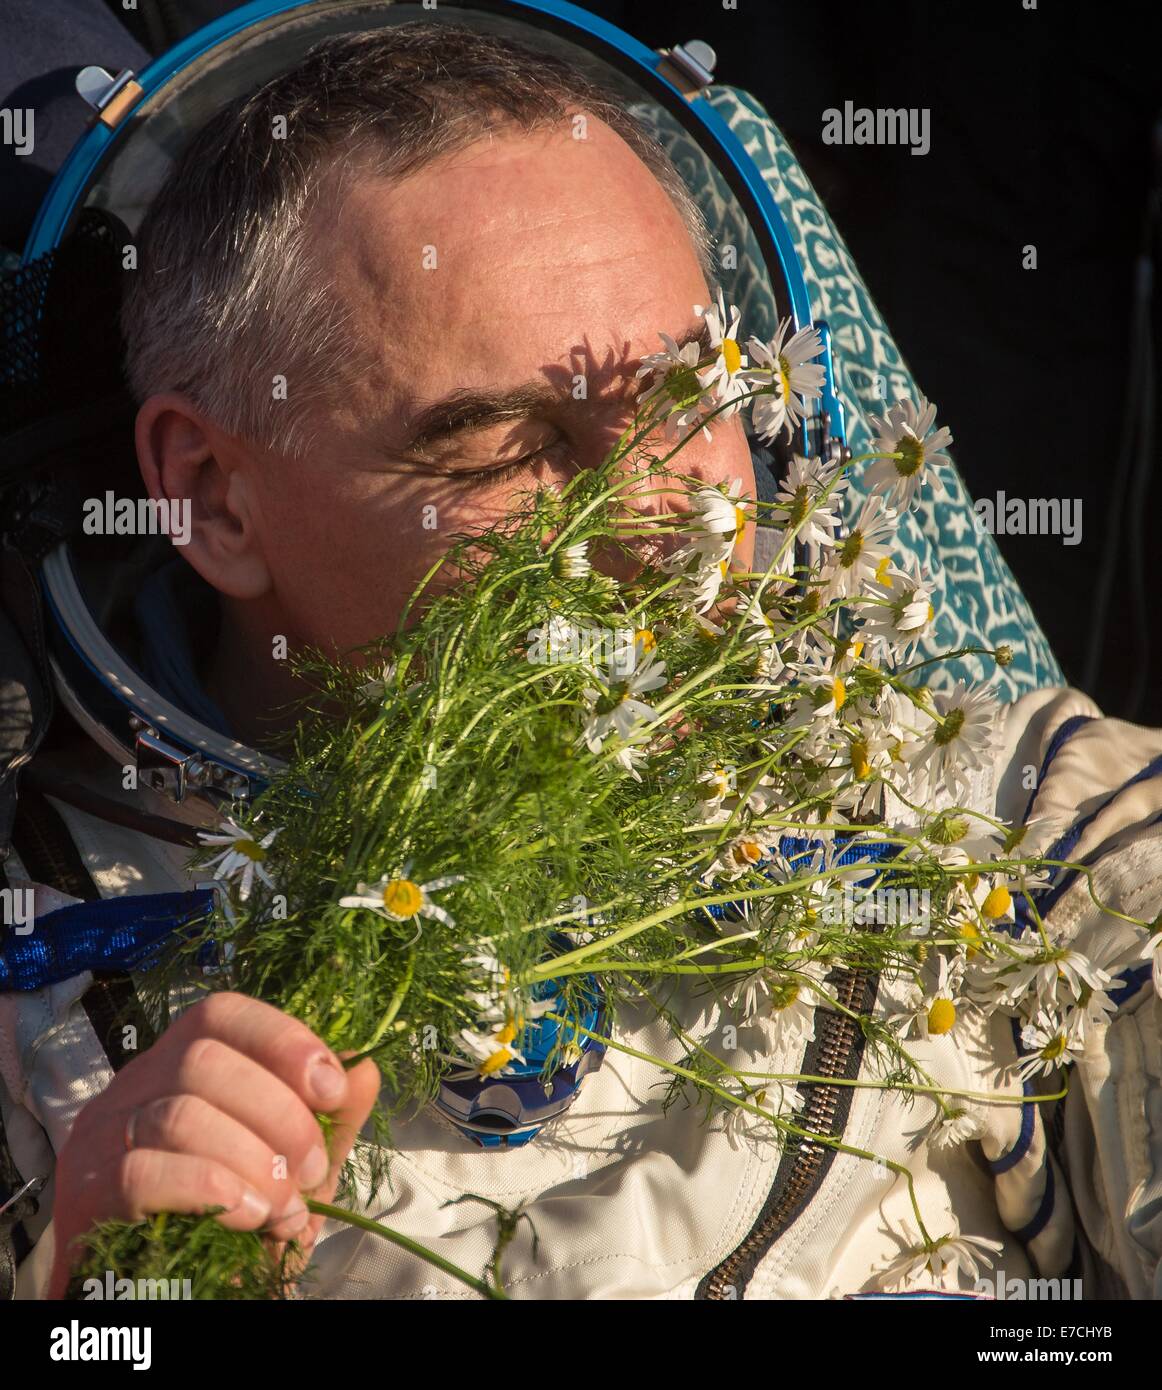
(465, 410)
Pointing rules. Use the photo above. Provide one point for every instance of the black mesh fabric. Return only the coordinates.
(61, 341)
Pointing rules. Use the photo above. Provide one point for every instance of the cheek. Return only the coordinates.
(345, 560)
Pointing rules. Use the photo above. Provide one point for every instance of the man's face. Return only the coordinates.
(523, 261)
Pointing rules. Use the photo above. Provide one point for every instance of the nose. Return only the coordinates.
(664, 494)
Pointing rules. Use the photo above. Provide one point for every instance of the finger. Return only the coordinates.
(277, 1042)
(146, 1181)
(365, 1082)
(189, 1124)
(258, 1100)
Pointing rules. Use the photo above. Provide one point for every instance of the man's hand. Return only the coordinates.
(221, 1107)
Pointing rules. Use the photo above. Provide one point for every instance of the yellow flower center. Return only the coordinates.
(931, 612)
(645, 639)
(1054, 1048)
(748, 851)
(251, 849)
(402, 897)
(859, 758)
(838, 693)
(494, 1063)
(739, 523)
(731, 355)
(882, 574)
(941, 1016)
(785, 376)
(970, 932)
(998, 902)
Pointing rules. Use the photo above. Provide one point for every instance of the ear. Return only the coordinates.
(185, 459)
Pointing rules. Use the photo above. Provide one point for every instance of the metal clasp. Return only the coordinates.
(111, 97)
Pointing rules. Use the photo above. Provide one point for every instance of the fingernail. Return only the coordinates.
(291, 1221)
(254, 1207)
(314, 1169)
(328, 1082)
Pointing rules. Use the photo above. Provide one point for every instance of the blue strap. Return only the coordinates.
(1064, 733)
(1024, 1139)
(1033, 1229)
(113, 934)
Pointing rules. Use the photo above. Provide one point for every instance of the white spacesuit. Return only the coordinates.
(629, 1202)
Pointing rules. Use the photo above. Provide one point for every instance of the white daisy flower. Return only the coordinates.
(617, 710)
(800, 493)
(932, 1012)
(399, 898)
(784, 1000)
(376, 688)
(962, 738)
(720, 518)
(742, 1126)
(1052, 978)
(906, 613)
(783, 364)
(493, 1053)
(741, 855)
(1049, 1046)
(955, 1127)
(243, 857)
(572, 562)
(675, 380)
(864, 554)
(724, 376)
(908, 432)
(952, 1254)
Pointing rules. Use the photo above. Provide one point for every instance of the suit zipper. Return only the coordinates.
(837, 1051)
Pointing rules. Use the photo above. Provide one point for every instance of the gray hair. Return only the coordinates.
(227, 266)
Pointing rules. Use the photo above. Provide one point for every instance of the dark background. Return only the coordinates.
(1044, 131)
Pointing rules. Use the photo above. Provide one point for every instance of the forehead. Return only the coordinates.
(521, 253)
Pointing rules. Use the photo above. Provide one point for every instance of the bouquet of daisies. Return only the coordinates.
(699, 780)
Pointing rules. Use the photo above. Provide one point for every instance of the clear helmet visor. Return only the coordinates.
(143, 124)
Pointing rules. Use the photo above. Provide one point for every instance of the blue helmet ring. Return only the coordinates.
(508, 1109)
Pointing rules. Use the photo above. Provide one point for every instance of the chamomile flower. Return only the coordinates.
(572, 562)
(718, 521)
(909, 433)
(962, 738)
(952, 1254)
(676, 386)
(743, 1126)
(783, 1000)
(493, 1053)
(1053, 977)
(864, 554)
(955, 1126)
(399, 898)
(243, 858)
(784, 364)
(376, 688)
(724, 377)
(1048, 1044)
(801, 495)
(932, 1011)
(741, 855)
(615, 709)
(905, 612)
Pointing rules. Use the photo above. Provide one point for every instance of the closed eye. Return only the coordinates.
(500, 473)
